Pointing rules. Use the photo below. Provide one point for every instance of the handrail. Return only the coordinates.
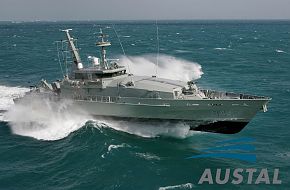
(108, 99)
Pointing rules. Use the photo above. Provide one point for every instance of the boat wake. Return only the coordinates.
(169, 67)
(44, 119)
(149, 129)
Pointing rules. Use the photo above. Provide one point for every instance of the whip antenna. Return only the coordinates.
(58, 50)
(128, 65)
(119, 40)
(157, 56)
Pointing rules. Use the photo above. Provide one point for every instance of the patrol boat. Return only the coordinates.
(105, 89)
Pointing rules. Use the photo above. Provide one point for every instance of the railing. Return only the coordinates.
(211, 94)
(107, 99)
(116, 99)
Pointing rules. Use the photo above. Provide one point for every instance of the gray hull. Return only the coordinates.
(221, 116)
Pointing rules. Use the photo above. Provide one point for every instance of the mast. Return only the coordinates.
(103, 44)
(74, 50)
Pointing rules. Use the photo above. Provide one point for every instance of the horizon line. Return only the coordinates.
(124, 20)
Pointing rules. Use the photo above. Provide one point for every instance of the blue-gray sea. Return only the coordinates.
(241, 56)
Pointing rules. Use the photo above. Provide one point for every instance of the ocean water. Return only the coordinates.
(44, 148)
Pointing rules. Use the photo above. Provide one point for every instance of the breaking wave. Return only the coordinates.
(44, 119)
(169, 67)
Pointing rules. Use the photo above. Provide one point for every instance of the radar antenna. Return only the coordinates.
(103, 44)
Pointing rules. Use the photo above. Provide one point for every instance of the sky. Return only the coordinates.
(26, 10)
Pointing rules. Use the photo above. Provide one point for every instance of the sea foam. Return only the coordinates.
(7, 94)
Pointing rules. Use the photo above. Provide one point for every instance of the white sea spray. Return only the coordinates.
(169, 67)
